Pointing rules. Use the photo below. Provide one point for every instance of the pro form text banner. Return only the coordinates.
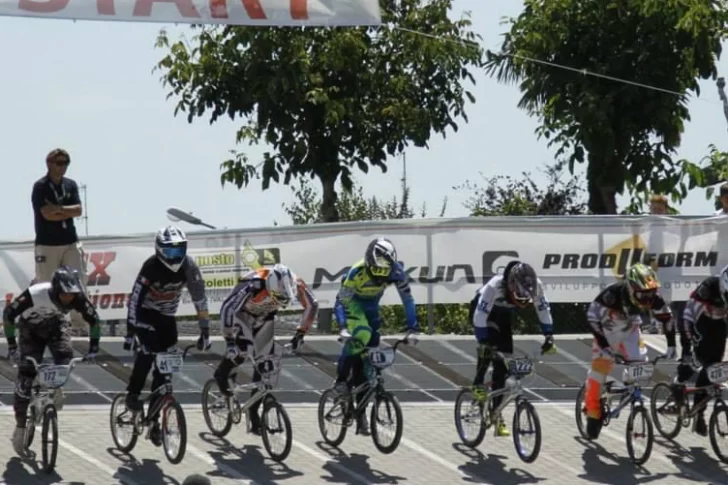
(447, 260)
(232, 12)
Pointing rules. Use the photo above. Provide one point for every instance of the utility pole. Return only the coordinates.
(721, 92)
(82, 187)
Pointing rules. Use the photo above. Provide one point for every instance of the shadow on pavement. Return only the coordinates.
(491, 468)
(16, 472)
(142, 472)
(602, 466)
(694, 461)
(250, 460)
(355, 463)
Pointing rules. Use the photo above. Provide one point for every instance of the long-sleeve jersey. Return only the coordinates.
(159, 289)
(704, 302)
(612, 313)
(493, 294)
(251, 304)
(359, 288)
(35, 307)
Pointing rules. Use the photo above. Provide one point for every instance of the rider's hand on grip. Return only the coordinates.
(297, 340)
(128, 342)
(548, 346)
(232, 352)
(344, 334)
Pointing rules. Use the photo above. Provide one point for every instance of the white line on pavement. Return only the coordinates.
(332, 462)
(101, 466)
(443, 462)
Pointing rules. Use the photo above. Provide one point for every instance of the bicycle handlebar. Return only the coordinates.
(619, 360)
(405, 340)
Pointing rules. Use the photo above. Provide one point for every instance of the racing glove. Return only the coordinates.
(232, 351)
(13, 354)
(203, 341)
(548, 345)
(93, 348)
(128, 342)
(297, 339)
(671, 353)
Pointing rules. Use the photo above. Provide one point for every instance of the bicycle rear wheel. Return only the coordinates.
(468, 411)
(218, 418)
(49, 436)
(525, 409)
(172, 412)
(663, 407)
(276, 423)
(639, 425)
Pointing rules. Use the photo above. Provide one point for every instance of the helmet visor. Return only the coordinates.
(173, 253)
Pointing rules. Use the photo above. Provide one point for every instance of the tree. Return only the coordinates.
(508, 196)
(328, 99)
(626, 133)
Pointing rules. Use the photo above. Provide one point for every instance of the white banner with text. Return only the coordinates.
(446, 259)
(230, 12)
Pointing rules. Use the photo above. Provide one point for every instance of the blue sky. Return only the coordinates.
(89, 87)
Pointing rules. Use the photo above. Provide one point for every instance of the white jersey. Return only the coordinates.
(39, 308)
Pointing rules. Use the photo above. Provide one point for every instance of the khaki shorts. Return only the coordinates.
(50, 258)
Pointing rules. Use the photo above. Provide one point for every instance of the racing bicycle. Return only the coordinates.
(672, 399)
(480, 411)
(630, 394)
(230, 410)
(351, 407)
(42, 409)
(165, 405)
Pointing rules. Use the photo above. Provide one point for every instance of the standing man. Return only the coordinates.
(55, 203)
(722, 201)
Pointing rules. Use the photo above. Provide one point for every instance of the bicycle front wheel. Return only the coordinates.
(121, 422)
(469, 414)
(718, 430)
(526, 423)
(174, 431)
(276, 423)
(49, 435)
(665, 411)
(218, 418)
(30, 425)
(386, 412)
(639, 427)
(580, 412)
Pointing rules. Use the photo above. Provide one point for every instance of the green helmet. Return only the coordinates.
(643, 284)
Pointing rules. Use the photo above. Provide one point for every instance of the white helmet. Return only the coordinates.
(380, 257)
(171, 247)
(724, 284)
(281, 284)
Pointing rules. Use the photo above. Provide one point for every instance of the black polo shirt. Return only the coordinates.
(54, 233)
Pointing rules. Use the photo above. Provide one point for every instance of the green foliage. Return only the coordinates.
(626, 133)
(507, 196)
(327, 100)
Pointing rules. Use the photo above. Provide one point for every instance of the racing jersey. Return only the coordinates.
(704, 302)
(613, 313)
(493, 294)
(34, 307)
(250, 304)
(159, 289)
(357, 287)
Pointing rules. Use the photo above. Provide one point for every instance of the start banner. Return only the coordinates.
(447, 260)
(231, 12)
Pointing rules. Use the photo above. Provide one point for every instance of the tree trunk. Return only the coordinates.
(602, 195)
(329, 199)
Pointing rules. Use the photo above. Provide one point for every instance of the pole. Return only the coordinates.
(85, 208)
(721, 92)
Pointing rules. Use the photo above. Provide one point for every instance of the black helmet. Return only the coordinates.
(522, 283)
(65, 280)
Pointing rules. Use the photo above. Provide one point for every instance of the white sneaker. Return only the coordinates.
(58, 398)
(18, 440)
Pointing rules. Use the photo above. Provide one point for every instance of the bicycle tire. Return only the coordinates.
(672, 434)
(333, 395)
(50, 424)
(30, 426)
(206, 390)
(120, 399)
(580, 413)
(521, 407)
(173, 406)
(713, 431)
(385, 397)
(282, 420)
(459, 399)
(634, 412)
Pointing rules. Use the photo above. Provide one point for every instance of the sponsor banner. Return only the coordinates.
(232, 12)
(447, 260)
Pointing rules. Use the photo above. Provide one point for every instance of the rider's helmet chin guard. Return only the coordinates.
(642, 285)
(380, 257)
(280, 284)
(522, 284)
(723, 283)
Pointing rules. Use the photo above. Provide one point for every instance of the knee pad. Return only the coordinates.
(360, 338)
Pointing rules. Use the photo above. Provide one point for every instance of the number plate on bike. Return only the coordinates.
(53, 375)
(382, 357)
(718, 373)
(169, 363)
(520, 367)
(637, 372)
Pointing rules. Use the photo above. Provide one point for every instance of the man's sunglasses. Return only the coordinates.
(61, 163)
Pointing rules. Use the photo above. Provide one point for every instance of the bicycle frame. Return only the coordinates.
(714, 392)
(268, 380)
(40, 396)
(629, 394)
(512, 392)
